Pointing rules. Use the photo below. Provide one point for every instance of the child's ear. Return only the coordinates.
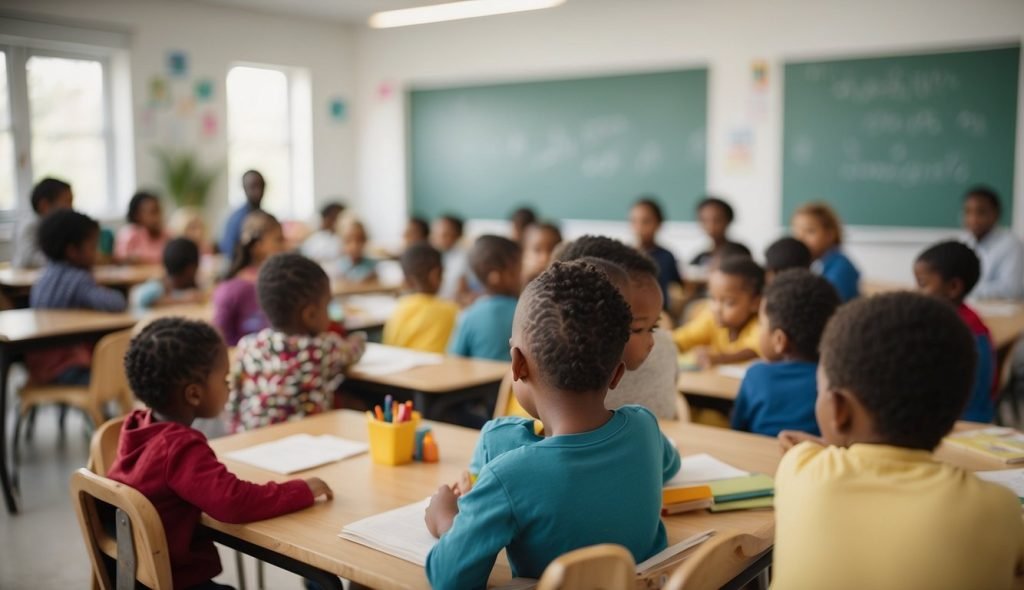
(494, 278)
(308, 314)
(779, 341)
(617, 375)
(194, 394)
(842, 412)
(955, 289)
(520, 368)
(435, 276)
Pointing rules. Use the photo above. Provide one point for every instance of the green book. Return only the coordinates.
(742, 488)
(749, 504)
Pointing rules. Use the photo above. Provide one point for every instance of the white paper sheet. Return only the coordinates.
(671, 551)
(995, 308)
(734, 371)
(298, 452)
(400, 532)
(387, 360)
(1009, 478)
(703, 468)
(372, 307)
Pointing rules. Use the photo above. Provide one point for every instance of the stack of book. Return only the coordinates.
(738, 493)
(1004, 444)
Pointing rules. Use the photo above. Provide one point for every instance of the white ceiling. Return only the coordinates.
(350, 11)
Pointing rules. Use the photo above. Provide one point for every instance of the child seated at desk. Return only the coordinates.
(142, 240)
(866, 505)
(949, 270)
(715, 217)
(324, 245)
(181, 261)
(293, 368)
(726, 330)
(49, 194)
(645, 219)
(236, 307)
(539, 243)
(69, 240)
(1000, 251)
(650, 355)
(784, 254)
(422, 320)
(178, 368)
(354, 266)
(446, 235)
(779, 394)
(520, 220)
(485, 327)
(819, 228)
(416, 230)
(567, 491)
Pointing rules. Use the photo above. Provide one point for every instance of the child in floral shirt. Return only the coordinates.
(293, 368)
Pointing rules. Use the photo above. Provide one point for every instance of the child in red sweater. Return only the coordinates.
(179, 369)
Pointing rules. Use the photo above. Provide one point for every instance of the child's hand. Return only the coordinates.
(441, 511)
(319, 488)
(703, 357)
(791, 438)
(461, 487)
(357, 338)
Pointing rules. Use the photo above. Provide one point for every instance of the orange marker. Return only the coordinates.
(379, 412)
(394, 411)
(408, 410)
(431, 454)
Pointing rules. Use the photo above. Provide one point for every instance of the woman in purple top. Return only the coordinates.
(236, 307)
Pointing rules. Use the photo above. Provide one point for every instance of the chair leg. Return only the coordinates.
(259, 576)
(61, 420)
(240, 567)
(30, 429)
(15, 448)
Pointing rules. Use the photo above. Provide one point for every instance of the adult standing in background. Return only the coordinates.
(253, 185)
(1001, 253)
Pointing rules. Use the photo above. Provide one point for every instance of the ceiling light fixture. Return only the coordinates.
(434, 13)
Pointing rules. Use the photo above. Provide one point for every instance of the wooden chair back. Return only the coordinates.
(599, 567)
(108, 380)
(136, 518)
(103, 447)
(716, 560)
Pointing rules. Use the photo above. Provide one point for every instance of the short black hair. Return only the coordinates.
(786, 253)
(633, 261)
(745, 268)
(523, 217)
(332, 208)
(800, 303)
(953, 260)
(179, 254)
(63, 228)
(908, 358)
(575, 325)
(729, 249)
(286, 283)
(456, 222)
(168, 355)
(419, 260)
(549, 227)
(47, 190)
(985, 193)
(652, 204)
(421, 225)
(136, 203)
(492, 253)
(615, 273)
(726, 208)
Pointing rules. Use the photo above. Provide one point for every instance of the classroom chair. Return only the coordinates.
(103, 452)
(107, 383)
(1006, 389)
(711, 565)
(138, 544)
(598, 567)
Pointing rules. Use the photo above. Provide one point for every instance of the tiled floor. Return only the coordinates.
(41, 548)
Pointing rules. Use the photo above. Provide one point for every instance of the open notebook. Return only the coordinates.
(402, 533)
(703, 468)
(298, 452)
(387, 360)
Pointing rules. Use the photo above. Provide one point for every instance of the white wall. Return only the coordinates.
(214, 39)
(599, 36)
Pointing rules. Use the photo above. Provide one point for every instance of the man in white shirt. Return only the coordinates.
(1001, 253)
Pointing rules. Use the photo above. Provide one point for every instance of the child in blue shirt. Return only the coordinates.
(779, 394)
(603, 471)
(485, 327)
(181, 261)
(818, 226)
(949, 270)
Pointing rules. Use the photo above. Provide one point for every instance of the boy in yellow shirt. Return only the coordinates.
(726, 330)
(872, 509)
(422, 320)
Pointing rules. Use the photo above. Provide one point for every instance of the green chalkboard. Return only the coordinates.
(573, 149)
(896, 141)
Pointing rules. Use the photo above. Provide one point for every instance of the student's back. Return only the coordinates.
(422, 320)
(485, 327)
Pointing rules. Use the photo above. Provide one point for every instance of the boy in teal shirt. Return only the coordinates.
(602, 471)
(485, 327)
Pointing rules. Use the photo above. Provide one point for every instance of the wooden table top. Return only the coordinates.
(453, 374)
(108, 274)
(22, 325)
(363, 489)
(708, 383)
(341, 288)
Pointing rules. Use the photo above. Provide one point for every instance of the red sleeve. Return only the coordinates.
(195, 474)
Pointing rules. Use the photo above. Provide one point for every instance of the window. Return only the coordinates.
(8, 186)
(268, 115)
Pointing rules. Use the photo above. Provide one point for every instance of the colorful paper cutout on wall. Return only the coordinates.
(209, 124)
(177, 64)
(338, 109)
(204, 90)
(158, 92)
(385, 90)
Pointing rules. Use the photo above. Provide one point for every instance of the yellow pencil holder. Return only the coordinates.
(391, 443)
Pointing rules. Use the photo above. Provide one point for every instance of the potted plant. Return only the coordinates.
(186, 181)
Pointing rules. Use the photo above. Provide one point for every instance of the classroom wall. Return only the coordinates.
(593, 37)
(215, 38)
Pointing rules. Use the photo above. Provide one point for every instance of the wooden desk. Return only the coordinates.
(204, 312)
(23, 329)
(341, 288)
(1005, 319)
(108, 275)
(363, 489)
(432, 388)
(708, 383)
